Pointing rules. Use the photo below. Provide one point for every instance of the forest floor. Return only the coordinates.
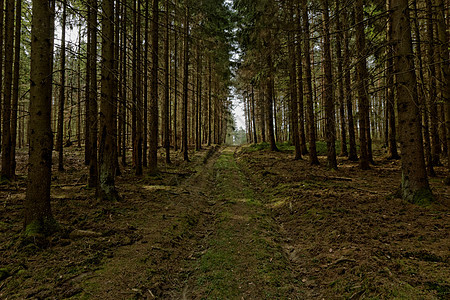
(233, 223)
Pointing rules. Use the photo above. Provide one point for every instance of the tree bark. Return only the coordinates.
(87, 121)
(62, 91)
(340, 81)
(93, 106)
(38, 215)
(175, 82)
(255, 137)
(125, 87)
(15, 93)
(421, 97)
(2, 4)
(145, 91)
(414, 187)
(363, 100)
(435, 143)
(390, 99)
(352, 155)
(153, 137)
(107, 165)
(209, 101)
(8, 78)
(269, 102)
(134, 96)
(329, 103)
(293, 87)
(198, 112)
(445, 72)
(138, 98)
(166, 88)
(79, 88)
(185, 86)
(309, 91)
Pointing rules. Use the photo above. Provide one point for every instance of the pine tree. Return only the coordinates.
(414, 187)
(38, 214)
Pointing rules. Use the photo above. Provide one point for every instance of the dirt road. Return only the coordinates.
(217, 241)
(234, 223)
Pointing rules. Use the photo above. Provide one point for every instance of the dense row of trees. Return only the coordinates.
(110, 76)
(113, 76)
(349, 71)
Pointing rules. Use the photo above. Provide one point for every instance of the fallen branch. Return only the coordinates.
(342, 260)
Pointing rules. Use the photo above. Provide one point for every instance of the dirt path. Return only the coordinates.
(224, 245)
(234, 223)
(241, 258)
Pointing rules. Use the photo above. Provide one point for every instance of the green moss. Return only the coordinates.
(423, 197)
(4, 273)
(42, 227)
(260, 146)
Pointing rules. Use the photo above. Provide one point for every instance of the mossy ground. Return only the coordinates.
(249, 224)
(347, 235)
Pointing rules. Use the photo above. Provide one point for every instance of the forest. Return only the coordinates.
(225, 149)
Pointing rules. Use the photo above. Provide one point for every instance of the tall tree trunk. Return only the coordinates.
(185, 86)
(209, 100)
(15, 96)
(87, 93)
(69, 121)
(445, 71)
(116, 85)
(93, 107)
(275, 111)
(107, 165)
(6, 133)
(138, 99)
(2, 4)
(269, 102)
(421, 96)
(352, 155)
(340, 81)
(79, 89)
(255, 138)
(363, 100)
(414, 187)
(175, 82)
(262, 112)
(293, 87)
(145, 111)
(199, 100)
(390, 100)
(38, 214)
(62, 91)
(166, 87)
(309, 91)
(153, 140)
(329, 103)
(125, 86)
(134, 96)
(247, 117)
(435, 143)
(298, 62)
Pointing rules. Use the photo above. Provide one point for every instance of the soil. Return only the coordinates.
(233, 223)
